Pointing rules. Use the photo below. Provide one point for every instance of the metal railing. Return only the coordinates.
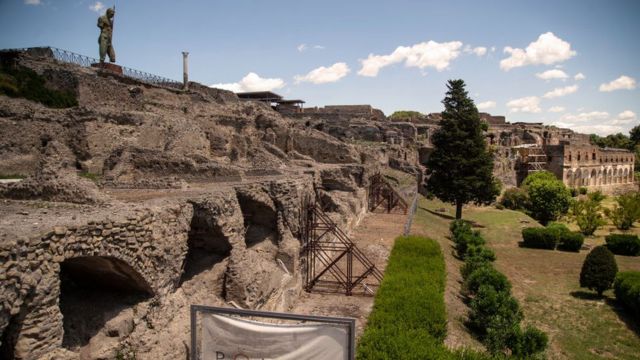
(410, 215)
(70, 57)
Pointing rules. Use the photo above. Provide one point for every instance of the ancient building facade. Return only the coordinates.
(586, 165)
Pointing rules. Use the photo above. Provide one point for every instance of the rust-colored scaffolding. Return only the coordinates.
(333, 262)
(381, 192)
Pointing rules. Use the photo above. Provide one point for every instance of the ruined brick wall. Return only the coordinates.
(609, 170)
(151, 243)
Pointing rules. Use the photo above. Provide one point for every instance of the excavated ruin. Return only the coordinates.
(143, 200)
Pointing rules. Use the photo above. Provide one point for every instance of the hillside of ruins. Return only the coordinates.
(145, 198)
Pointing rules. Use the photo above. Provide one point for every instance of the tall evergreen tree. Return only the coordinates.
(460, 169)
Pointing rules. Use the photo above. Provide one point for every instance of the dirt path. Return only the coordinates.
(374, 236)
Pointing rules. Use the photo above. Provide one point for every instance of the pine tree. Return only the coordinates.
(598, 270)
(460, 169)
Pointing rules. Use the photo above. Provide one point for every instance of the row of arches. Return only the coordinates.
(596, 177)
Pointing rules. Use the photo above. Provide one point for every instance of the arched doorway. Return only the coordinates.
(93, 290)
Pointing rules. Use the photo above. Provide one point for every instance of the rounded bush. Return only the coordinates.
(471, 264)
(514, 199)
(570, 241)
(486, 275)
(598, 270)
(627, 289)
(529, 342)
(623, 244)
(490, 305)
(539, 238)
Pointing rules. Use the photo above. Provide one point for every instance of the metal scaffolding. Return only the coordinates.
(381, 192)
(333, 262)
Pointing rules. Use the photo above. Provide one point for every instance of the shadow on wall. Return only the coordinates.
(207, 245)
(93, 290)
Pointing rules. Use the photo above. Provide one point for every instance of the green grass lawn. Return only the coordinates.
(546, 283)
(409, 317)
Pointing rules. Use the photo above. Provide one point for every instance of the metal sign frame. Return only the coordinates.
(195, 309)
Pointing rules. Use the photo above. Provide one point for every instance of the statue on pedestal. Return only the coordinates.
(105, 23)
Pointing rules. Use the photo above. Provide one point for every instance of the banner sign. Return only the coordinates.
(235, 334)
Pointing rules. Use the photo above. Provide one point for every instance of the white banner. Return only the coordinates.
(225, 337)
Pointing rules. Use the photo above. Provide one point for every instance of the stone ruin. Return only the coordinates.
(407, 144)
(143, 200)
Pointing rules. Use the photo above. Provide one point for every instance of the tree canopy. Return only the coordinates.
(460, 169)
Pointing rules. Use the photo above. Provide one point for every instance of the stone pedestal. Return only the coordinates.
(109, 67)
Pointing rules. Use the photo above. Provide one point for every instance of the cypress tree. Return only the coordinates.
(460, 169)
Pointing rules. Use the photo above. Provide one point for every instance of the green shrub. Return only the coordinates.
(467, 240)
(626, 211)
(539, 238)
(574, 192)
(598, 270)
(479, 251)
(19, 81)
(486, 275)
(627, 289)
(582, 190)
(471, 264)
(528, 342)
(457, 227)
(489, 303)
(515, 199)
(588, 215)
(548, 196)
(570, 241)
(623, 244)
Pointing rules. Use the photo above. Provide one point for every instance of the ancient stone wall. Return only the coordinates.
(151, 243)
(590, 166)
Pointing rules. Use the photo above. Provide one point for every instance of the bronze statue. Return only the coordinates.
(105, 23)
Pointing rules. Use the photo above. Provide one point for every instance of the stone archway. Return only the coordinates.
(569, 178)
(94, 290)
(594, 176)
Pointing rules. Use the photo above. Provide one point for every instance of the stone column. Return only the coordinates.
(185, 70)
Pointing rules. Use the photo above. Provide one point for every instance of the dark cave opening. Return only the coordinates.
(93, 290)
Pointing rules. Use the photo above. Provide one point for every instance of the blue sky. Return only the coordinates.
(519, 59)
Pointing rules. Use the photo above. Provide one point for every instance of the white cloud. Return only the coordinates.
(252, 82)
(97, 7)
(558, 92)
(324, 75)
(579, 76)
(548, 49)
(600, 129)
(529, 104)
(305, 47)
(478, 50)
(486, 105)
(597, 122)
(552, 74)
(622, 83)
(493, 49)
(422, 55)
(556, 109)
(584, 117)
(32, 2)
(625, 117)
